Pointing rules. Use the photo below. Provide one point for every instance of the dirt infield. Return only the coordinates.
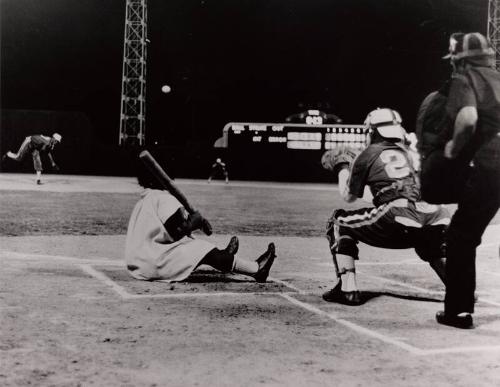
(70, 315)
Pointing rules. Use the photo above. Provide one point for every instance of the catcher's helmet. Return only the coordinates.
(387, 123)
(468, 45)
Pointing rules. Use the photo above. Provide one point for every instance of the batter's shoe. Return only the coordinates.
(463, 320)
(340, 297)
(265, 262)
(233, 245)
(39, 182)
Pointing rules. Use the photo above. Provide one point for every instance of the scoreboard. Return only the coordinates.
(291, 136)
(285, 151)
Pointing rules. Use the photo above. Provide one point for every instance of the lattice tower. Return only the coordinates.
(133, 98)
(494, 28)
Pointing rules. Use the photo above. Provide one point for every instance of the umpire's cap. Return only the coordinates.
(57, 137)
(468, 45)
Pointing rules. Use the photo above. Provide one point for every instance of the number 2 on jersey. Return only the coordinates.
(396, 164)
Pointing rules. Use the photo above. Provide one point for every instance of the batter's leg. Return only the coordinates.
(226, 261)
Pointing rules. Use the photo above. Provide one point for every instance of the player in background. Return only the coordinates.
(382, 173)
(35, 145)
(219, 168)
(159, 244)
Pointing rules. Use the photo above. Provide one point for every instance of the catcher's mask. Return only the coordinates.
(386, 123)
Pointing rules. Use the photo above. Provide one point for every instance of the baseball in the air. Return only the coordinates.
(166, 89)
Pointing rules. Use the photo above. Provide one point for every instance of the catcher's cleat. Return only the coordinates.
(265, 262)
(233, 245)
(463, 320)
(337, 295)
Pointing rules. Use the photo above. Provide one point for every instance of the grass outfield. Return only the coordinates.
(243, 210)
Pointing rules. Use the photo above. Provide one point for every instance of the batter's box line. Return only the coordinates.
(386, 339)
(46, 257)
(288, 296)
(99, 275)
(122, 292)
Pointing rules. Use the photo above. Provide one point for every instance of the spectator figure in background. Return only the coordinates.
(35, 145)
(159, 244)
(218, 168)
(473, 107)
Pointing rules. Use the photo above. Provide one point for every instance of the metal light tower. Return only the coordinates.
(494, 28)
(133, 100)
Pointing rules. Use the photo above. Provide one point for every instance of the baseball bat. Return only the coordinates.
(165, 180)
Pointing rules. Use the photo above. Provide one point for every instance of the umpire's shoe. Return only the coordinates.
(233, 245)
(463, 320)
(340, 297)
(265, 262)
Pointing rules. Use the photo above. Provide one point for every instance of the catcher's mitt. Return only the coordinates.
(336, 159)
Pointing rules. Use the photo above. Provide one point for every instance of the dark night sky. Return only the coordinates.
(226, 60)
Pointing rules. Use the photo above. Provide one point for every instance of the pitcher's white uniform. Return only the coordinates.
(150, 252)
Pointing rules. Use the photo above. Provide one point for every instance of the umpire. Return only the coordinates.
(473, 107)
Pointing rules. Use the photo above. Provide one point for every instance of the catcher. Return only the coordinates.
(159, 244)
(384, 174)
(34, 145)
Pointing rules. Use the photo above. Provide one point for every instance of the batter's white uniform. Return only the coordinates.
(150, 248)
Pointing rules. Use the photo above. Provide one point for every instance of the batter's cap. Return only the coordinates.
(468, 45)
(386, 122)
(57, 137)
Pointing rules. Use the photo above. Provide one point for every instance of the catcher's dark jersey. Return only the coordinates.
(387, 169)
(398, 220)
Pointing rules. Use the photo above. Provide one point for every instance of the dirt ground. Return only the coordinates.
(71, 316)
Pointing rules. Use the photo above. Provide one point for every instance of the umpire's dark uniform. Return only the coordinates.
(476, 84)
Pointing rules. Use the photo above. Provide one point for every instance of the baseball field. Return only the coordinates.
(71, 316)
